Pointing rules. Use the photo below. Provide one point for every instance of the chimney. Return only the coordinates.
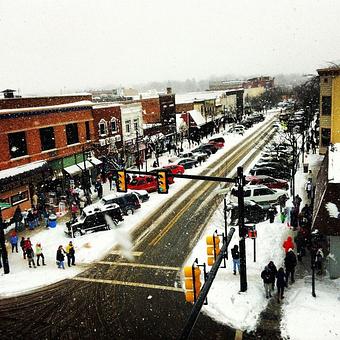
(168, 90)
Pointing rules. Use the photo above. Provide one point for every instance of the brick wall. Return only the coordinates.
(106, 113)
(184, 107)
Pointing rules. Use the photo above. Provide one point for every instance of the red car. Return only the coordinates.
(175, 168)
(216, 144)
(148, 183)
(268, 181)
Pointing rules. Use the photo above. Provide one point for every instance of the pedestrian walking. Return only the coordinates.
(300, 245)
(273, 270)
(319, 261)
(282, 201)
(30, 219)
(288, 244)
(99, 188)
(297, 201)
(110, 178)
(290, 264)
(309, 189)
(267, 281)
(17, 217)
(280, 284)
(22, 246)
(14, 241)
(60, 257)
(74, 209)
(27, 244)
(70, 252)
(313, 144)
(39, 253)
(271, 213)
(30, 257)
(236, 258)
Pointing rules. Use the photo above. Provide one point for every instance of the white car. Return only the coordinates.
(259, 194)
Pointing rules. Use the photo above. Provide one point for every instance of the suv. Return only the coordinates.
(92, 219)
(253, 212)
(259, 194)
(128, 203)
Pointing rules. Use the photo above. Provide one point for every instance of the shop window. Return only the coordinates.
(87, 130)
(114, 126)
(5, 200)
(128, 126)
(325, 137)
(326, 105)
(17, 144)
(19, 197)
(72, 133)
(47, 138)
(102, 127)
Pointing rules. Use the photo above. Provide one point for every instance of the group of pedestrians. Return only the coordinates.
(69, 251)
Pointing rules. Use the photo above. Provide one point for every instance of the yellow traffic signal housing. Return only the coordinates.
(121, 181)
(192, 277)
(213, 248)
(162, 181)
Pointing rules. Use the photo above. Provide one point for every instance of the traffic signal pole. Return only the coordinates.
(206, 287)
(242, 243)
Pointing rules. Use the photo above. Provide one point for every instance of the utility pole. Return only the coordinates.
(242, 243)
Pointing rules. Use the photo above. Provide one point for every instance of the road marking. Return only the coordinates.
(175, 219)
(238, 334)
(131, 264)
(126, 283)
(133, 253)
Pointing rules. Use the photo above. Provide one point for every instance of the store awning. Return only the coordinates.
(79, 167)
(22, 169)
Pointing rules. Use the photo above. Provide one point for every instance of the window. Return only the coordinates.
(325, 137)
(87, 128)
(114, 126)
(17, 144)
(247, 193)
(325, 80)
(128, 126)
(19, 197)
(326, 105)
(136, 124)
(102, 127)
(47, 138)
(72, 133)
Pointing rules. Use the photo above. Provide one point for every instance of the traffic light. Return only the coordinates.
(121, 181)
(162, 182)
(192, 278)
(213, 248)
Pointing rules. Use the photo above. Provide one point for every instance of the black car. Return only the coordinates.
(202, 150)
(94, 219)
(210, 147)
(270, 171)
(253, 212)
(128, 203)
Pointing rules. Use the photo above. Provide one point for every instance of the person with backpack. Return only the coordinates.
(266, 276)
(14, 241)
(280, 284)
(236, 258)
(290, 264)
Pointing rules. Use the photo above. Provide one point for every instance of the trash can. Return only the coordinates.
(52, 221)
(305, 167)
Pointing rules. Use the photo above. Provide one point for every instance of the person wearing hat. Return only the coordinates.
(290, 264)
(70, 254)
(266, 276)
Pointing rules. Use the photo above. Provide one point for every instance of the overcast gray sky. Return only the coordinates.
(54, 45)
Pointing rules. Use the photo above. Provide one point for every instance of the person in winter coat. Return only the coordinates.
(280, 284)
(309, 189)
(60, 257)
(297, 201)
(30, 220)
(30, 257)
(22, 246)
(271, 213)
(70, 254)
(17, 217)
(14, 241)
(290, 264)
(27, 244)
(74, 209)
(236, 258)
(99, 188)
(288, 244)
(271, 266)
(266, 276)
(319, 261)
(39, 253)
(300, 245)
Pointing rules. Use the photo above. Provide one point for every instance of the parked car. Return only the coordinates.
(259, 194)
(128, 202)
(270, 171)
(253, 212)
(93, 218)
(238, 129)
(210, 147)
(175, 168)
(168, 172)
(268, 181)
(143, 195)
(187, 163)
(202, 150)
(217, 139)
(276, 165)
(199, 156)
(217, 145)
(148, 183)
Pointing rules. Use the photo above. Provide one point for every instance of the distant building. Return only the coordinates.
(329, 107)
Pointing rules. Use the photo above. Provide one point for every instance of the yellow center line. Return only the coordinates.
(130, 284)
(134, 253)
(175, 219)
(130, 264)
